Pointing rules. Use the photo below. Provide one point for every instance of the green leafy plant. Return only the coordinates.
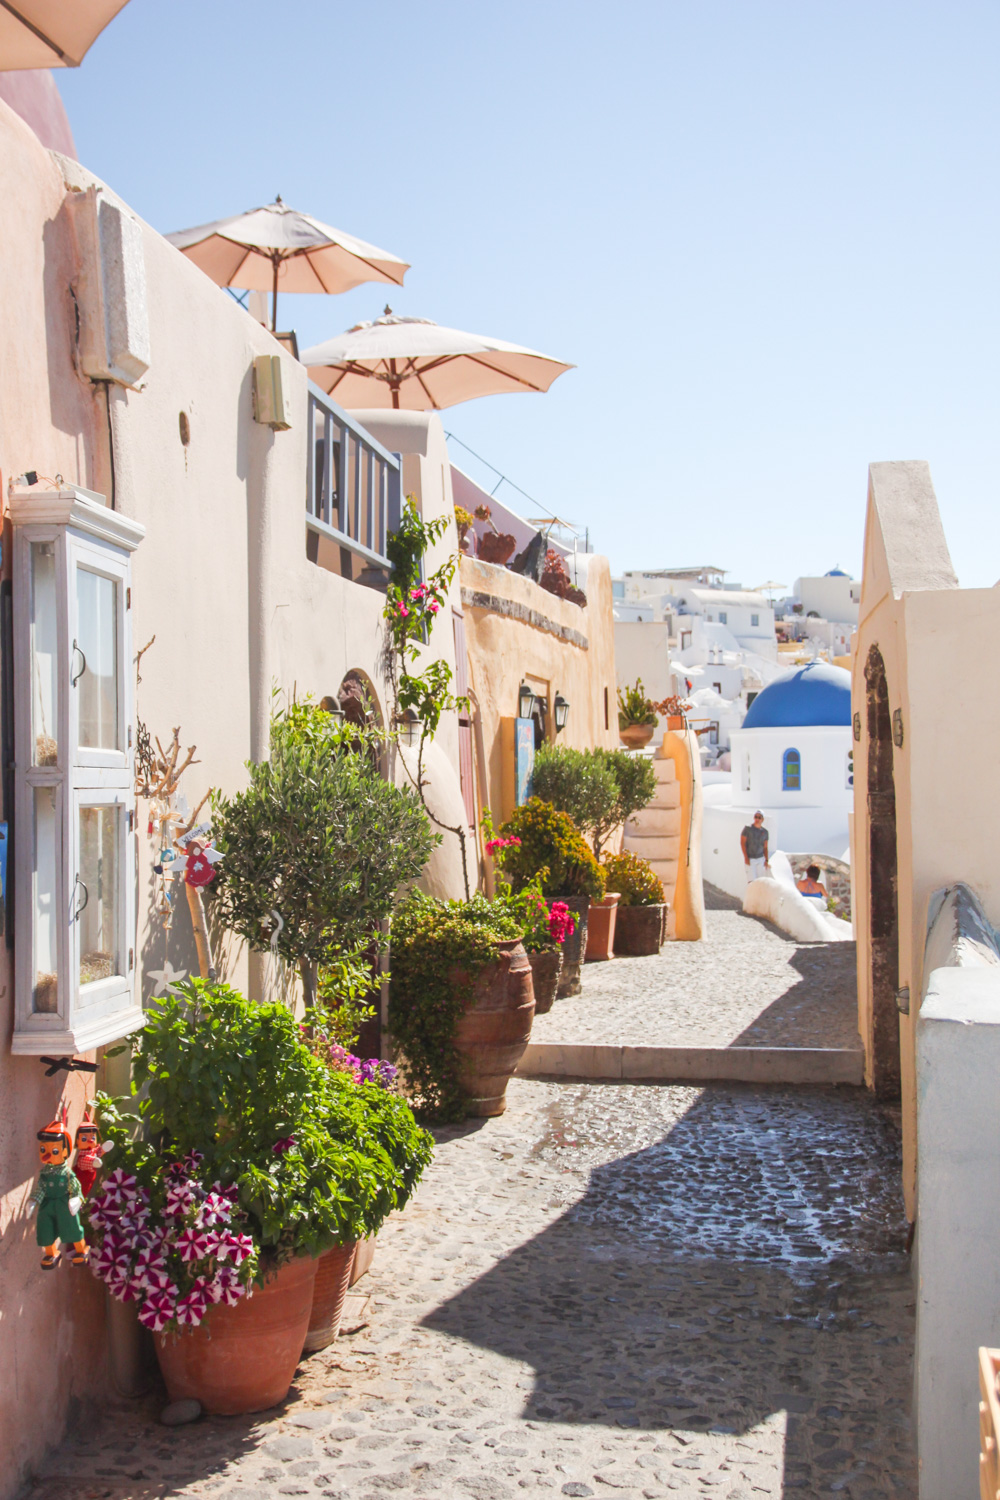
(411, 607)
(550, 846)
(634, 707)
(439, 948)
(315, 1157)
(635, 880)
(345, 984)
(318, 844)
(635, 778)
(598, 788)
(577, 782)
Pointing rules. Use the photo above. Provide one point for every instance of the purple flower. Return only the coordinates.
(193, 1160)
(216, 1209)
(191, 1245)
(192, 1308)
(235, 1247)
(225, 1287)
(120, 1186)
(285, 1144)
(156, 1281)
(158, 1309)
(149, 1263)
(180, 1198)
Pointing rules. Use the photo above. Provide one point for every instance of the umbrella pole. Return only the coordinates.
(274, 296)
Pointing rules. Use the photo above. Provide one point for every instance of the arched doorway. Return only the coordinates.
(884, 923)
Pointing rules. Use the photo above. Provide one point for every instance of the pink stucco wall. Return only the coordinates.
(51, 1324)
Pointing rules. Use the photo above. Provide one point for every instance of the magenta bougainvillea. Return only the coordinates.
(174, 1249)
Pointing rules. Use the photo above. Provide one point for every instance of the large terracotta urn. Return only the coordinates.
(574, 947)
(635, 736)
(242, 1358)
(333, 1277)
(493, 1032)
(601, 928)
(546, 968)
(639, 930)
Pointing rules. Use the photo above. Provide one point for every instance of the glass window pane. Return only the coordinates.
(97, 639)
(45, 983)
(96, 895)
(44, 654)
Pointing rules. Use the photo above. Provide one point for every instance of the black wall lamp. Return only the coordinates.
(560, 711)
(525, 701)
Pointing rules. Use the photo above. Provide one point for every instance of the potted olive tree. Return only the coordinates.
(318, 844)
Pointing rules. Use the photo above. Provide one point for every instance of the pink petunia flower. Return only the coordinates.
(157, 1310)
(191, 1245)
(192, 1308)
(235, 1247)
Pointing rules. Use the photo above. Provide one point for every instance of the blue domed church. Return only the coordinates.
(793, 759)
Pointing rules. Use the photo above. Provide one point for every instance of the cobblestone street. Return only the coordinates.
(745, 985)
(613, 1290)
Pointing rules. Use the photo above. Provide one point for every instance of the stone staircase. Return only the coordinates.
(656, 833)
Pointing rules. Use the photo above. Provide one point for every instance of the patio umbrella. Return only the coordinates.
(276, 243)
(50, 33)
(414, 364)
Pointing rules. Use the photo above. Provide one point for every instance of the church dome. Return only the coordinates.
(815, 694)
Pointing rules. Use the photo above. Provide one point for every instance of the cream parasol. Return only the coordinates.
(51, 33)
(416, 365)
(276, 245)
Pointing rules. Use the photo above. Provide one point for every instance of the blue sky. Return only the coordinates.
(766, 233)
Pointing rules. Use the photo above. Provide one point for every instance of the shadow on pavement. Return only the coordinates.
(747, 1264)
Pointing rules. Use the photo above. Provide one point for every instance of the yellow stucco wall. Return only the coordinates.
(506, 649)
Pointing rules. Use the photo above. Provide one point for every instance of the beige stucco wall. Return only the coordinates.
(223, 582)
(505, 650)
(947, 820)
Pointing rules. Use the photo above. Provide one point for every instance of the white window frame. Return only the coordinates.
(84, 534)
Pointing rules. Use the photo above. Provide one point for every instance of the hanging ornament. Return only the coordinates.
(58, 1197)
(89, 1151)
(199, 870)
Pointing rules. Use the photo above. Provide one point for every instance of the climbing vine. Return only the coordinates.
(411, 608)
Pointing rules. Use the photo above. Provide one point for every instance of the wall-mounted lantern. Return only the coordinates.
(409, 728)
(74, 840)
(525, 701)
(560, 712)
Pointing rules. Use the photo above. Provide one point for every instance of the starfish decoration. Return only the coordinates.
(166, 978)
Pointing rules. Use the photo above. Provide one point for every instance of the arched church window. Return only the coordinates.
(791, 771)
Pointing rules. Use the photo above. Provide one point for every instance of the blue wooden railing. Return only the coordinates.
(353, 488)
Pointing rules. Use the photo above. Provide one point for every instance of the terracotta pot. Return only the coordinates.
(242, 1358)
(574, 947)
(495, 548)
(639, 930)
(333, 1277)
(601, 928)
(675, 721)
(364, 1254)
(545, 970)
(492, 1034)
(636, 735)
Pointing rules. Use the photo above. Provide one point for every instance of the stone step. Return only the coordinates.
(654, 822)
(693, 1064)
(666, 771)
(668, 794)
(659, 847)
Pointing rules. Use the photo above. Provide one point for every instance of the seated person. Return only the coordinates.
(810, 885)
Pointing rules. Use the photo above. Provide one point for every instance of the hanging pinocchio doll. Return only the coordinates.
(58, 1197)
(89, 1151)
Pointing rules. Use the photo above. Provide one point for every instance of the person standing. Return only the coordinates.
(753, 842)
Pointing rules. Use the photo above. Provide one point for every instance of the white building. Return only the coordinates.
(834, 597)
(793, 759)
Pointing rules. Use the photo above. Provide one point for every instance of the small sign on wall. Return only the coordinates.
(524, 757)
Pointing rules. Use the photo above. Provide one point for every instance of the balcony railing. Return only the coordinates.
(353, 494)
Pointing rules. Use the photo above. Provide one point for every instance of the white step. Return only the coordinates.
(665, 770)
(651, 822)
(668, 794)
(654, 848)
